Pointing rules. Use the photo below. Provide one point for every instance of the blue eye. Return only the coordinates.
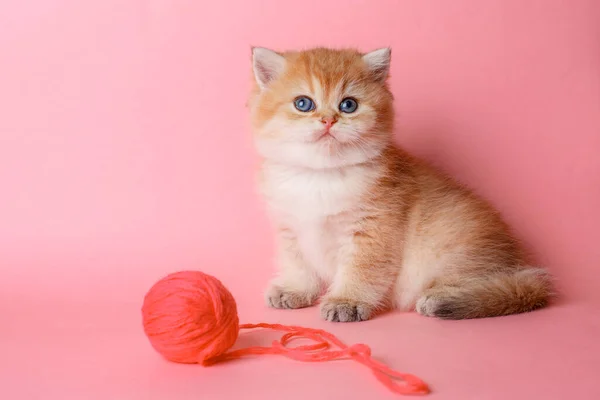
(304, 104)
(348, 105)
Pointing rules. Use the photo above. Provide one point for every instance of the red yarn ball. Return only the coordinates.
(190, 317)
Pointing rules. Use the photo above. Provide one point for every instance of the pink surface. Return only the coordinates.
(125, 154)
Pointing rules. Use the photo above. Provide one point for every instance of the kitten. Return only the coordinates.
(360, 219)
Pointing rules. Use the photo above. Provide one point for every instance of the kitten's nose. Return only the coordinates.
(328, 121)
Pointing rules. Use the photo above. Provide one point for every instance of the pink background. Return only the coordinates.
(125, 154)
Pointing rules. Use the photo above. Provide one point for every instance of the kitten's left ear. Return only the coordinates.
(267, 65)
(378, 63)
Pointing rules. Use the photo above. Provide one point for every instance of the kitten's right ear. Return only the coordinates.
(267, 65)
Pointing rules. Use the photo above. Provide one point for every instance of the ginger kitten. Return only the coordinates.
(358, 218)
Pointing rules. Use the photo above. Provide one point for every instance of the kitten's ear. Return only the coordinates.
(267, 65)
(378, 63)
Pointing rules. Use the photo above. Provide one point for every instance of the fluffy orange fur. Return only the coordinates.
(361, 222)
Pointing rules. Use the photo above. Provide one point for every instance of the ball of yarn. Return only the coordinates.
(190, 317)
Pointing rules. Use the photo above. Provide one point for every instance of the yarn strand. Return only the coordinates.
(397, 382)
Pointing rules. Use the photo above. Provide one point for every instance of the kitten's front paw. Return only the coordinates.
(345, 310)
(277, 297)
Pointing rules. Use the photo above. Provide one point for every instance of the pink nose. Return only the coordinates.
(328, 121)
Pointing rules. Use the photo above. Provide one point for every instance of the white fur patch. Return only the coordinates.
(317, 205)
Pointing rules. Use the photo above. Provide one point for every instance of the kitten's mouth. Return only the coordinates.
(326, 135)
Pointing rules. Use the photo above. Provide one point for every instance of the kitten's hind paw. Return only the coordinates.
(442, 306)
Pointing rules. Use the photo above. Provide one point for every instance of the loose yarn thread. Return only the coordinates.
(190, 317)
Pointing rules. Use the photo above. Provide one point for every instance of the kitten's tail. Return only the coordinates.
(501, 293)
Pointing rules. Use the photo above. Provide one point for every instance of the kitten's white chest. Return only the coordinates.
(315, 204)
(304, 195)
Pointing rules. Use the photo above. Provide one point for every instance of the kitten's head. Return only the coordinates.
(321, 108)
